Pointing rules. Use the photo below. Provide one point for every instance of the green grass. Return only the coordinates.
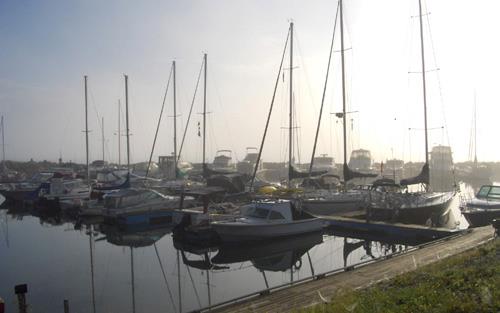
(469, 282)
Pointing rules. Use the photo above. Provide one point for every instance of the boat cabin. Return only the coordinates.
(489, 192)
(273, 211)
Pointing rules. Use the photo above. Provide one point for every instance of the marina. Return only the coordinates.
(252, 165)
(146, 267)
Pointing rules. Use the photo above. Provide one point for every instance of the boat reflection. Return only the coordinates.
(143, 236)
(275, 256)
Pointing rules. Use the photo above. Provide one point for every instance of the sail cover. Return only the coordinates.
(293, 173)
(124, 185)
(350, 174)
(422, 178)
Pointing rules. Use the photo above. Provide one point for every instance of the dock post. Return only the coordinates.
(66, 306)
(2, 306)
(20, 291)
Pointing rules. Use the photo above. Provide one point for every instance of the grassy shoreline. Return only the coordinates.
(468, 282)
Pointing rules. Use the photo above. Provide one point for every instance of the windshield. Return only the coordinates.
(494, 193)
(258, 212)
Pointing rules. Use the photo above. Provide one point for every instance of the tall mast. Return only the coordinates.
(102, 130)
(290, 123)
(423, 81)
(175, 122)
(3, 144)
(204, 106)
(127, 125)
(475, 131)
(86, 134)
(344, 121)
(119, 136)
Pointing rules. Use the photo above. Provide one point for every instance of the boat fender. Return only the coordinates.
(298, 264)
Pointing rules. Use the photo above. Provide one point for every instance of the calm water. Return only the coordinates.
(148, 271)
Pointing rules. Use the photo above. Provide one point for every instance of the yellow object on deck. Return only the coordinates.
(267, 190)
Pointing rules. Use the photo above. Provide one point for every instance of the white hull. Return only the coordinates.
(235, 232)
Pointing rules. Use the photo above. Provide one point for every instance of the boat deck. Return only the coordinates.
(308, 292)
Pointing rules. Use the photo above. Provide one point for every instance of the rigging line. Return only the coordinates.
(438, 79)
(165, 277)
(296, 129)
(324, 93)
(190, 111)
(306, 75)
(95, 109)
(159, 121)
(270, 111)
(214, 82)
(194, 286)
(212, 138)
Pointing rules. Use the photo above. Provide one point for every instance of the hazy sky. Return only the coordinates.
(47, 47)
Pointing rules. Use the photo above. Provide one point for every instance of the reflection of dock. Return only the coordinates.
(417, 233)
(305, 292)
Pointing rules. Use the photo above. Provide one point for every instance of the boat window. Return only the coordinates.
(494, 192)
(276, 216)
(258, 212)
(483, 192)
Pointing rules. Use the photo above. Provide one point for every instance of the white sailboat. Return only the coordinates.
(397, 204)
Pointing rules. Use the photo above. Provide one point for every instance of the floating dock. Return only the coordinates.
(411, 232)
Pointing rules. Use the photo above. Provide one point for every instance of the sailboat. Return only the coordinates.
(263, 220)
(476, 174)
(388, 202)
(135, 206)
(326, 202)
(60, 191)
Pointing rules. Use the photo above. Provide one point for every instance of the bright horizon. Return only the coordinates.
(48, 48)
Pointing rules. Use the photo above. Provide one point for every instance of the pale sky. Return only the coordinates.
(47, 47)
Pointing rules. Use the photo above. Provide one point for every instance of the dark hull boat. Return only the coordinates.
(478, 218)
(412, 208)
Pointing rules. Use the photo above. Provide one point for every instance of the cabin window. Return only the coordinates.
(258, 213)
(276, 216)
(494, 192)
(483, 192)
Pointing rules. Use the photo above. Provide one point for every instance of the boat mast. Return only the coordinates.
(204, 165)
(119, 135)
(290, 129)
(475, 132)
(175, 123)
(423, 81)
(3, 144)
(86, 134)
(127, 125)
(323, 97)
(102, 130)
(344, 121)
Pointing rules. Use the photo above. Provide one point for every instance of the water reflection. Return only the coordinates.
(103, 268)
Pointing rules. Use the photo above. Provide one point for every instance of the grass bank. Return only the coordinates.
(468, 282)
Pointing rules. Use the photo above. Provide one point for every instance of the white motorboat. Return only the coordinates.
(485, 207)
(136, 206)
(266, 220)
(63, 193)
